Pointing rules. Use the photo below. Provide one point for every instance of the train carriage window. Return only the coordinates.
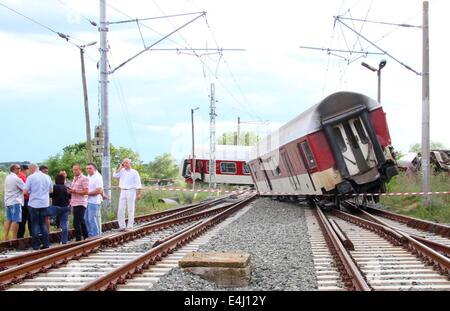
(340, 139)
(255, 170)
(228, 168)
(207, 167)
(360, 130)
(275, 168)
(308, 154)
(246, 169)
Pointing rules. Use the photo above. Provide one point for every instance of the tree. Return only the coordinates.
(245, 139)
(163, 167)
(77, 153)
(434, 145)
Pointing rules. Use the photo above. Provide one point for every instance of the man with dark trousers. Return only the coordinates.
(38, 187)
(23, 174)
(79, 199)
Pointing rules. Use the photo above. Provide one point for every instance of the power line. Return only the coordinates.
(83, 16)
(155, 43)
(378, 22)
(377, 47)
(60, 34)
(328, 50)
(205, 65)
(153, 18)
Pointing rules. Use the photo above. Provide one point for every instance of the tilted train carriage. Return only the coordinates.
(339, 146)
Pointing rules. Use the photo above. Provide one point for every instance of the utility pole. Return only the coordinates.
(238, 131)
(425, 107)
(193, 150)
(106, 159)
(86, 104)
(212, 139)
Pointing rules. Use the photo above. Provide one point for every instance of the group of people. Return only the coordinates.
(28, 191)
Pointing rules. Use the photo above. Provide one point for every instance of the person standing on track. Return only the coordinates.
(60, 205)
(130, 190)
(24, 172)
(13, 201)
(78, 201)
(94, 200)
(38, 186)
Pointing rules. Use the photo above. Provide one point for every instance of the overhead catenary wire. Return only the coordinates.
(380, 22)
(76, 11)
(206, 66)
(66, 37)
(121, 97)
(377, 47)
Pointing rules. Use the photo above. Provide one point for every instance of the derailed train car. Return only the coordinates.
(338, 146)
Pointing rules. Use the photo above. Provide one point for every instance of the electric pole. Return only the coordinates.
(193, 151)
(425, 107)
(238, 131)
(86, 107)
(106, 159)
(212, 139)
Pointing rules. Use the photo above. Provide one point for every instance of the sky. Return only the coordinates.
(268, 84)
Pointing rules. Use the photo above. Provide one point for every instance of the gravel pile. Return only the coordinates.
(275, 235)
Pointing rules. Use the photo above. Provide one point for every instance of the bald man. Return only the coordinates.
(130, 190)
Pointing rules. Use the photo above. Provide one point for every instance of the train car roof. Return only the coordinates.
(310, 121)
(224, 152)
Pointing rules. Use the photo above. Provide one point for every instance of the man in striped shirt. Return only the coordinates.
(78, 201)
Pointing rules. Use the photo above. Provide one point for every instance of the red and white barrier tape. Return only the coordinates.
(276, 193)
(163, 188)
(362, 194)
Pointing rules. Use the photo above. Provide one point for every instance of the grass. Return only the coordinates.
(439, 211)
(148, 203)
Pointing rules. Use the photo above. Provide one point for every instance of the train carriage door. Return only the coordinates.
(308, 161)
(350, 148)
(266, 177)
(363, 141)
(292, 177)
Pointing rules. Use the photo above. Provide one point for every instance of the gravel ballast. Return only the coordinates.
(276, 236)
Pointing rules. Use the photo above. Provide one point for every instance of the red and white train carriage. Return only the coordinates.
(231, 165)
(339, 146)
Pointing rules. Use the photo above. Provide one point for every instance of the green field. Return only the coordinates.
(439, 210)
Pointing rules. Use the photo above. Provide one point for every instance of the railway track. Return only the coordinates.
(373, 254)
(18, 247)
(107, 262)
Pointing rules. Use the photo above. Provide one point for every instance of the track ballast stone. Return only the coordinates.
(276, 236)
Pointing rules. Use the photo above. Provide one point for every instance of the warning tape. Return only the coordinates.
(276, 193)
(164, 188)
(360, 194)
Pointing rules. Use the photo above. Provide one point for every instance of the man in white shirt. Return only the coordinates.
(13, 201)
(130, 190)
(94, 200)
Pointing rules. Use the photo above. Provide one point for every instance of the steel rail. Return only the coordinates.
(439, 262)
(29, 269)
(351, 274)
(412, 222)
(110, 280)
(391, 235)
(55, 237)
(186, 210)
(432, 244)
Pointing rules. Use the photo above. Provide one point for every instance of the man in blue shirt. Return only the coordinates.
(38, 186)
